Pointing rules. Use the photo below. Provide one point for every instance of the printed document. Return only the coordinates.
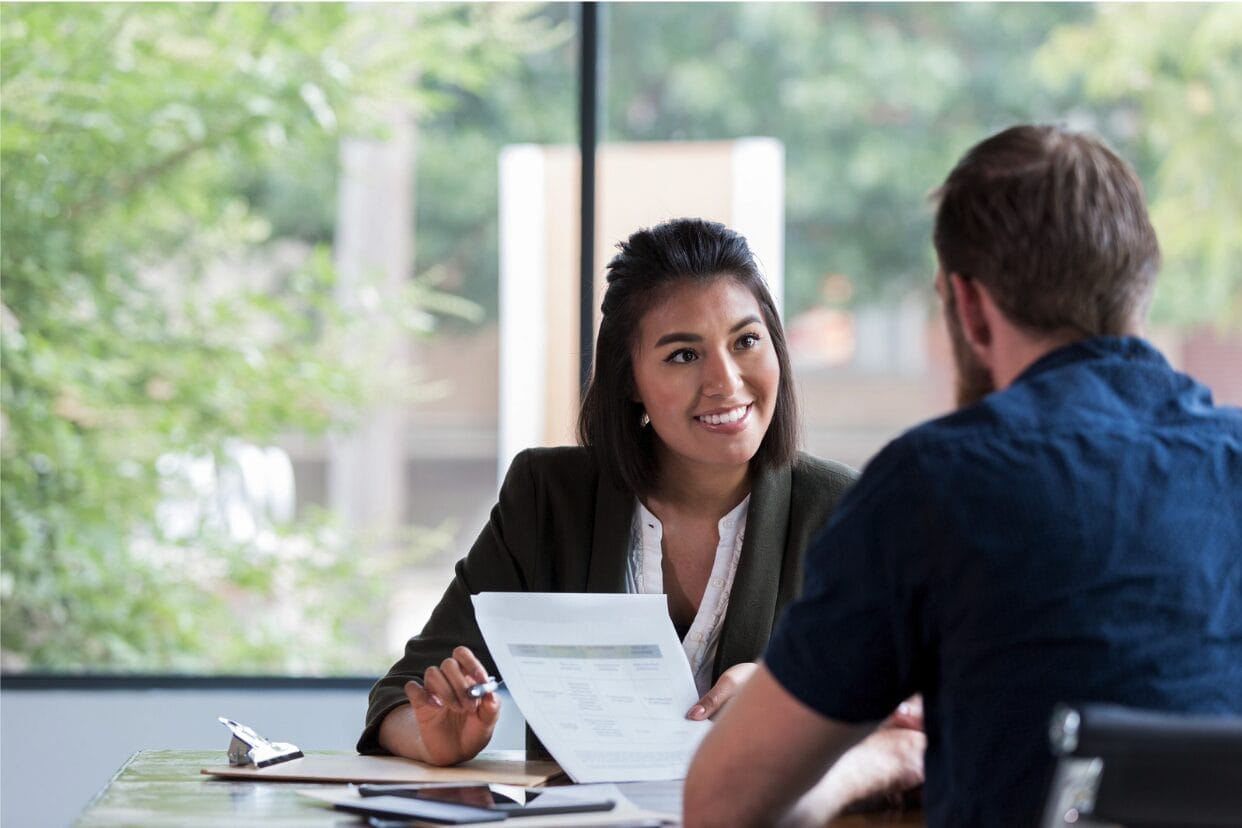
(601, 679)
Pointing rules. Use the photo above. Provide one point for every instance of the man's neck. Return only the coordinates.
(1007, 349)
(1017, 350)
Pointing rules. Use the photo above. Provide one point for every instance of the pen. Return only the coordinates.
(478, 691)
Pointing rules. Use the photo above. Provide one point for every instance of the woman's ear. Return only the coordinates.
(631, 390)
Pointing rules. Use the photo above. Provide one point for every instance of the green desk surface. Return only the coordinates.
(165, 788)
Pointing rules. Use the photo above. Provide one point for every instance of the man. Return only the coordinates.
(1072, 533)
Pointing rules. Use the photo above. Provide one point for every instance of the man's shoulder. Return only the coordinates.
(908, 463)
(931, 435)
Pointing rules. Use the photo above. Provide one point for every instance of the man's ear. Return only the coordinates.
(969, 300)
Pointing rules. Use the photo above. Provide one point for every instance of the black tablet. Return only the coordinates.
(537, 801)
(429, 810)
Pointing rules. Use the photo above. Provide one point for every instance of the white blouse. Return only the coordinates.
(645, 575)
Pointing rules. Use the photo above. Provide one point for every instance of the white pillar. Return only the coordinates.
(374, 255)
(758, 207)
(523, 302)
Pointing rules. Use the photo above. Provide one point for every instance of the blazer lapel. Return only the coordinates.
(614, 511)
(752, 602)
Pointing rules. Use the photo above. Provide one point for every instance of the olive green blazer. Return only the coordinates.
(562, 526)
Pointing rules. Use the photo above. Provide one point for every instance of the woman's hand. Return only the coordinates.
(725, 688)
(909, 714)
(443, 725)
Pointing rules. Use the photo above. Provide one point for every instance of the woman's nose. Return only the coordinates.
(721, 377)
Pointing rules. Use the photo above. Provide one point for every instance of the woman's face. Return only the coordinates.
(706, 371)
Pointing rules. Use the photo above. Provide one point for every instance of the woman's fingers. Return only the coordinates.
(444, 736)
(439, 687)
(489, 709)
(909, 714)
(725, 688)
(420, 696)
(471, 667)
(450, 681)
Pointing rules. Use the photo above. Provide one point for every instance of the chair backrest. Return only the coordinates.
(1144, 769)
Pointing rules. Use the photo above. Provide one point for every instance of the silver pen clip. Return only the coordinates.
(481, 689)
(249, 748)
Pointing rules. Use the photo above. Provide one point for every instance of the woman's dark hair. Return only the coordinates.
(651, 263)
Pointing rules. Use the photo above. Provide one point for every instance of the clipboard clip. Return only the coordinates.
(249, 748)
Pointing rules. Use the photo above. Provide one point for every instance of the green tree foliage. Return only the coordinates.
(528, 94)
(1164, 82)
(131, 138)
(874, 103)
(534, 101)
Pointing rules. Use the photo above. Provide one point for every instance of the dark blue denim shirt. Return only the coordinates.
(1074, 537)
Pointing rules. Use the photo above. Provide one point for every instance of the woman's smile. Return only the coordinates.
(729, 420)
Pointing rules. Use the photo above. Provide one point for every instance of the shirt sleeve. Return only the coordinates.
(848, 647)
(504, 558)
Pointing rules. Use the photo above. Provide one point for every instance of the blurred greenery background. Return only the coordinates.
(145, 147)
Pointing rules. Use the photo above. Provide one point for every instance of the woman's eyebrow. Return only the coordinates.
(750, 320)
(680, 336)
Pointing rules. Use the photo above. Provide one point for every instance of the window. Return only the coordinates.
(254, 258)
(872, 104)
(250, 298)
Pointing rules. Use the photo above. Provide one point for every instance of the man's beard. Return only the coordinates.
(973, 380)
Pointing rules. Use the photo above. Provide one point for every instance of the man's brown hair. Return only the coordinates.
(1055, 226)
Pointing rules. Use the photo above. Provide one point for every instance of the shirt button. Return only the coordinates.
(717, 582)
(698, 636)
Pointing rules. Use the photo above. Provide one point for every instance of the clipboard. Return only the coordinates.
(504, 766)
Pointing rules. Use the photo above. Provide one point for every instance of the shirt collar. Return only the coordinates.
(1128, 348)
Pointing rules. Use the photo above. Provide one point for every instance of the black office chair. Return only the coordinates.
(1142, 769)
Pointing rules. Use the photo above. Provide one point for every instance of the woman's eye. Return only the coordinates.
(682, 356)
(749, 340)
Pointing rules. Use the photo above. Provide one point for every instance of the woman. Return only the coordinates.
(688, 482)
